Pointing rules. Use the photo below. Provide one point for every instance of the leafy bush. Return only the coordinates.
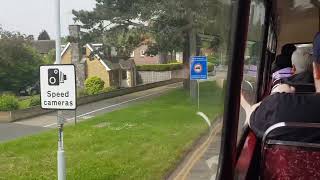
(214, 59)
(82, 92)
(94, 85)
(160, 67)
(108, 89)
(210, 66)
(8, 102)
(35, 101)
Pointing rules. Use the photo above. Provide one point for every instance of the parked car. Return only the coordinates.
(30, 90)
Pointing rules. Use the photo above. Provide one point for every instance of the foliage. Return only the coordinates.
(214, 59)
(109, 89)
(19, 62)
(35, 101)
(160, 67)
(210, 67)
(81, 93)
(143, 141)
(94, 85)
(44, 35)
(8, 102)
(50, 57)
(168, 24)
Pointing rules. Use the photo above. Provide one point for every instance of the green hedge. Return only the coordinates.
(167, 67)
(160, 67)
(210, 66)
(8, 102)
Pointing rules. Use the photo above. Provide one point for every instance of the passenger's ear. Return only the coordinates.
(316, 71)
(293, 70)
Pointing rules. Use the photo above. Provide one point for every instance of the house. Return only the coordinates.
(114, 72)
(89, 62)
(43, 46)
(139, 57)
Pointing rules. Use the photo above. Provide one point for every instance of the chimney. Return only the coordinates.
(74, 31)
(76, 55)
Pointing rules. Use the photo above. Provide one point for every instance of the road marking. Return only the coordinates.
(198, 153)
(213, 177)
(107, 107)
(212, 160)
(205, 118)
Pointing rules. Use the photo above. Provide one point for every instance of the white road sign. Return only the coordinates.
(58, 87)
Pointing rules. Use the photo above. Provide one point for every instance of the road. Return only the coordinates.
(10, 131)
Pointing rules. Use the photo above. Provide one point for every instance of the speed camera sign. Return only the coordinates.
(58, 87)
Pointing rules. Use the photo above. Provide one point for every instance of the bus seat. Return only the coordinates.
(246, 156)
(304, 88)
(291, 160)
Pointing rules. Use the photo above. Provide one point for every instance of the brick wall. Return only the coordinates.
(139, 60)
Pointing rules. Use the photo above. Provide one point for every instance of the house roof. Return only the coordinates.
(44, 46)
(126, 64)
(109, 64)
(112, 63)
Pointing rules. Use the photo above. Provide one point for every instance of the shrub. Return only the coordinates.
(108, 89)
(8, 103)
(82, 92)
(35, 101)
(94, 85)
(210, 66)
(160, 67)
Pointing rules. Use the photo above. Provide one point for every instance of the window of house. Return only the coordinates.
(132, 54)
(124, 74)
(142, 53)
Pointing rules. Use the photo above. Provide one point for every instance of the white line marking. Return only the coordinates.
(205, 118)
(212, 160)
(107, 107)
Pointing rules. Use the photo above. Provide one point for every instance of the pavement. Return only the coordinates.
(10, 131)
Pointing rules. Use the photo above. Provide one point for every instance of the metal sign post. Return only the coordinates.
(60, 153)
(198, 71)
(58, 92)
(198, 84)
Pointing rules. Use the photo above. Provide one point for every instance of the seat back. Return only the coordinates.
(289, 159)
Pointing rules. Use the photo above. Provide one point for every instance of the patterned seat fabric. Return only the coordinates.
(291, 163)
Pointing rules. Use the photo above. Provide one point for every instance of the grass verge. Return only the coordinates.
(143, 141)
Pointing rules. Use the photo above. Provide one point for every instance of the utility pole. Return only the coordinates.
(61, 167)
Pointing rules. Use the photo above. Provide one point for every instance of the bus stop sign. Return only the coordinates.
(199, 68)
(58, 87)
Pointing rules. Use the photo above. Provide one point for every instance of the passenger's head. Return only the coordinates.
(288, 49)
(316, 61)
(301, 61)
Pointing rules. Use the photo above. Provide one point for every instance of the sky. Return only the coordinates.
(30, 17)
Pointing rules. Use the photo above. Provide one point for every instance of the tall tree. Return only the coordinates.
(19, 63)
(44, 35)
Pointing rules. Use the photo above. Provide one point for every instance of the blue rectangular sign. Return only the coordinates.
(199, 68)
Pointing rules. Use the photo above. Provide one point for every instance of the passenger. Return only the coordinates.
(286, 106)
(282, 67)
(301, 69)
(301, 66)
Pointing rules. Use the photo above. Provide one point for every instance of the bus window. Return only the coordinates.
(253, 56)
(139, 112)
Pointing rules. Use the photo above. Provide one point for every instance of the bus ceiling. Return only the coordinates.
(297, 20)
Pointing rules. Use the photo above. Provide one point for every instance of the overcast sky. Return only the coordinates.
(32, 16)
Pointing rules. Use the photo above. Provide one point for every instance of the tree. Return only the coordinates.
(172, 25)
(44, 35)
(19, 62)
